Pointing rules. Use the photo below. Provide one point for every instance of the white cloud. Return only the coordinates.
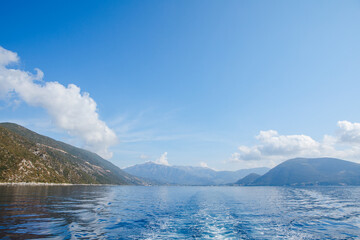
(273, 148)
(163, 160)
(204, 165)
(273, 144)
(70, 109)
(247, 153)
(7, 57)
(349, 132)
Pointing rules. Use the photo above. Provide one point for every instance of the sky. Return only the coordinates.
(224, 84)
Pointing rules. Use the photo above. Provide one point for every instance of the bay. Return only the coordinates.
(176, 212)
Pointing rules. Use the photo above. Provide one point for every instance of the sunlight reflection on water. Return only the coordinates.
(128, 212)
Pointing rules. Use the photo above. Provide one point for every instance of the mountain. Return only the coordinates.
(165, 174)
(311, 171)
(26, 156)
(224, 177)
(187, 175)
(248, 179)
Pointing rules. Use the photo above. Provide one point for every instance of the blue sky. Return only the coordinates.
(199, 80)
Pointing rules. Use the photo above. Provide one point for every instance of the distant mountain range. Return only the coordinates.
(26, 156)
(307, 171)
(247, 180)
(187, 175)
(293, 172)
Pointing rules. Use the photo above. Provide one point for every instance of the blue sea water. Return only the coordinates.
(173, 212)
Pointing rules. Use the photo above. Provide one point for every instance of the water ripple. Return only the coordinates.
(124, 212)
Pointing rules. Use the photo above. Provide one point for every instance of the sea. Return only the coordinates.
(178, 212)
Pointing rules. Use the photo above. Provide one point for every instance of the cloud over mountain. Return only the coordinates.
(72, 110)
(163, 160)
(273, 147)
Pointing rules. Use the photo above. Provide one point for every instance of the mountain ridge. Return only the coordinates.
(27, 156)
(311, 171)
(188, 175)
(248, 179)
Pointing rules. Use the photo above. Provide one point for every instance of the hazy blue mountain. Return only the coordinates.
(312, 171)
(248, 179)
(26, 156)
(224, 177)
(187, 175)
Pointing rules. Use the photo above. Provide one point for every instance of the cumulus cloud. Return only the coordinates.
(349, 132)
(7, 57)
(274, 144)
(272, 148)
(163, 160)
(204, 165)
(70, 109)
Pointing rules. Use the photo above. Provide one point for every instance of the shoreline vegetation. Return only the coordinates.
(26, 156)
